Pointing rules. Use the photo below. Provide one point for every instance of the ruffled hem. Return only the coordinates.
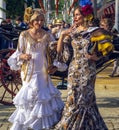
(82, 118)
(20, 119)
(37, 107)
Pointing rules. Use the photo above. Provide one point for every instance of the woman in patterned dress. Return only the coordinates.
(81, 111)
(38, 103)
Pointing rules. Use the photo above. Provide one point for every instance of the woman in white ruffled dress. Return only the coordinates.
(38, 103)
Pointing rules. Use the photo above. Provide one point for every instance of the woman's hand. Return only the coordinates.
(52, 69)
(68, 31)
(26, 57)
(63, 34)
(92, 57)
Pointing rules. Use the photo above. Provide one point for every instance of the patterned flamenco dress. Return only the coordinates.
(81, 111)
(38, 103)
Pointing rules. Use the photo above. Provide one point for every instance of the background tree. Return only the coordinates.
(14, 8)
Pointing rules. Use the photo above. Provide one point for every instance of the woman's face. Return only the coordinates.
(38, 22)
(104, 25)
(78, 18)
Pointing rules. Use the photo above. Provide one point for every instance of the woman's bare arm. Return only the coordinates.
(63, 34)
(59, 44)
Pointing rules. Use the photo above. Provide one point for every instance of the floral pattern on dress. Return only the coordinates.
(81, 111)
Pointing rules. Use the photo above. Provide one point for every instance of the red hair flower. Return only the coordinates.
(87, 10)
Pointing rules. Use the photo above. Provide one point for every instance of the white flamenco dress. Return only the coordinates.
(38, 103)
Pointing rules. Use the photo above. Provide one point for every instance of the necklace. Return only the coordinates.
(36, 36)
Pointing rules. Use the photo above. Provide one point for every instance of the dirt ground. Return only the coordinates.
(107, 93)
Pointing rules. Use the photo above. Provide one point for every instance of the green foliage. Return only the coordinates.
(14, 8)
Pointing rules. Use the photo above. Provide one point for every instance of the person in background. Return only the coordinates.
(50, 26)
(108, 25)
(9, 21)
(58, 27)
(38, 103)
(3, 23)
(81, 111)
(19, 22)
(7, 24)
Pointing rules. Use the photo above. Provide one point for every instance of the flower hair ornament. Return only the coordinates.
(27, 14)
(30, 14)
(87, 9)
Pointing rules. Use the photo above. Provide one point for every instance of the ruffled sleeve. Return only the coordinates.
(101, 42)
(13, 61)
(51, 48)
(67, 52)
(60, 61)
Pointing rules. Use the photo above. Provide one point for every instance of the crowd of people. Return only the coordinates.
(38, 103)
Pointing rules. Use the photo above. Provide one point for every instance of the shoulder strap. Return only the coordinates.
(91, 29)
